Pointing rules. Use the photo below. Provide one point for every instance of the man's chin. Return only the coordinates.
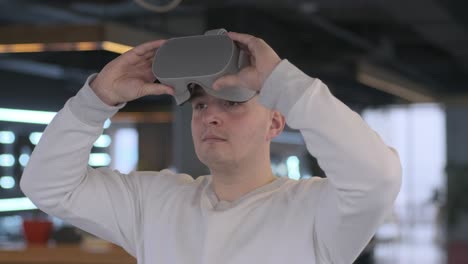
(212, 161)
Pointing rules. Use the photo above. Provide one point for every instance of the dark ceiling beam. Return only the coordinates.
(129, 9)
(31, 12)
(356, 15)
(44, 70)
(50, 33)
(392, 82)
(115, 10)
(316, 4)
(63, 34)
(434, 23)
(131, 36)
(313, 19)
(59, 14)
(397, 83)
(118, 33)
(455, 100)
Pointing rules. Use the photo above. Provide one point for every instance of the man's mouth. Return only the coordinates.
(212, 138)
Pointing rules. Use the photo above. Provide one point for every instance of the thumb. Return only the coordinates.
(227, 80)
(156, 89)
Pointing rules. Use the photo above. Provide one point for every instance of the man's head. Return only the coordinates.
(226, 133)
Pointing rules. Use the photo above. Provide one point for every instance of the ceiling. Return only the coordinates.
(369, 52)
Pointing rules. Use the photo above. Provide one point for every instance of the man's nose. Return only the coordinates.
(212, 115)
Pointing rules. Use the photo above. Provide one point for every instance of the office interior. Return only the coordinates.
(402, 65)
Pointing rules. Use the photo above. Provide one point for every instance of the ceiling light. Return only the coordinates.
(7, 137)
(7, 182)
(64, 46)
(7, 160)
(107, 123)
(34, 137)
(292, 164)
(26, 116)
(16, 204)
(115, 47)
(103, 141)
(23, 159)
(99, 159)
(41, 47)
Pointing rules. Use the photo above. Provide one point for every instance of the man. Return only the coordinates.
(240, 213)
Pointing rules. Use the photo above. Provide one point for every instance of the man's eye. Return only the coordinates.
(231, 103)
(199, 106)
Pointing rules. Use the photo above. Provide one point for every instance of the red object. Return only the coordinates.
(37, 231)
(457, 252)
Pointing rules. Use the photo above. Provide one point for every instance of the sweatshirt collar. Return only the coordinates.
(220, 205)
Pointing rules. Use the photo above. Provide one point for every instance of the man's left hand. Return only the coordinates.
(263, 60)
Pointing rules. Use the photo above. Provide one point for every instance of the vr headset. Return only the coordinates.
(185, 62)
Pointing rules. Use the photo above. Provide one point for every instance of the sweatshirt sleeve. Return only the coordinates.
(363, 174)
(59, 181)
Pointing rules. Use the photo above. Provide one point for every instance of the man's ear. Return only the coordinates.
(277, 125)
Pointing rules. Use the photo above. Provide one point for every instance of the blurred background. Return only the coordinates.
(402, 65)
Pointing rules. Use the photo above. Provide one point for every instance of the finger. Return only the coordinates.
(245, 49)
(148, 47)
(226, 81)
(148, 76)
(156, 89)
(145, 71)
(142, 53)
(147, 66)
(252, 43)
(243, 46)
(144, 62)
(146, 59)
(240, 37)
(148, 56)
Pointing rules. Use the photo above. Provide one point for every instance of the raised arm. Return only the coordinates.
(364, 175)
(58, 179)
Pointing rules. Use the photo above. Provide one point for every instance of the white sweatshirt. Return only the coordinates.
(163, 217)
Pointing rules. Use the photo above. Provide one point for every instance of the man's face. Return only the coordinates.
(227, 133)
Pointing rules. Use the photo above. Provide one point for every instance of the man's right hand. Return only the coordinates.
(129, 76)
